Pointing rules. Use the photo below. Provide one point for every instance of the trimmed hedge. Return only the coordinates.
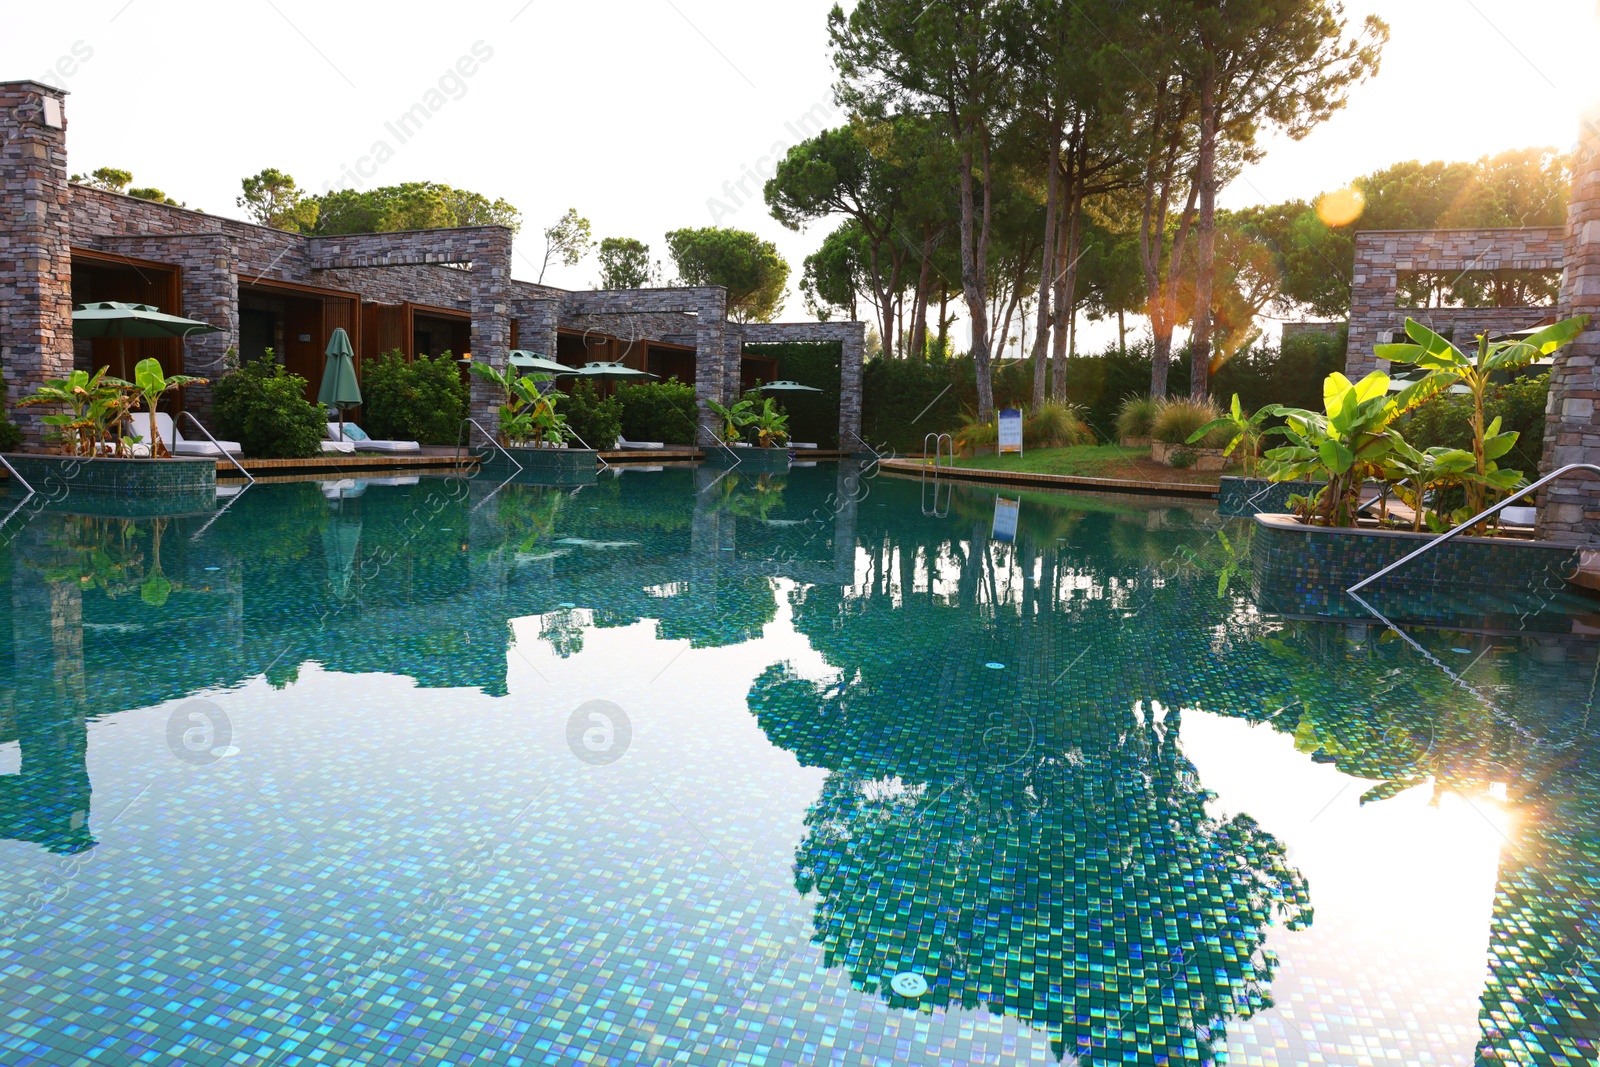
(422, 400)
(897, 393)
(813, 417)
(595, 420)
(263, 407)
(659, 411)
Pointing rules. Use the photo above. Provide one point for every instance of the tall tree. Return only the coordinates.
(834, 277)
(624, 263)
(566, 240)
(1279, 64)
(410, 206)
(955, 59)
(749, 268)
(838, 172)
(273, 199)
(1074, 103)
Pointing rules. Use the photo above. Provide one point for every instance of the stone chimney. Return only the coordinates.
(35, 258)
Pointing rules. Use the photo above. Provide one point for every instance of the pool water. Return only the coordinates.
(819, 768)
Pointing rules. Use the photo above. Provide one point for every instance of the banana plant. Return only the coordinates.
(1419, 473)
(1247, 434)
(734, 417)
(94, 403)
(1448, 365)
(771, 425)
(524, 413)
(152, 383)
(1346, 444)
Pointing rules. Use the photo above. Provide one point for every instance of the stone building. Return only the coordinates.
(1569, 509)
(419, 292)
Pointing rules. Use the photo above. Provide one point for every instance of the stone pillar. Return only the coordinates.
(710, 361)
(35, 257)
(491, 318)
(537, 318)
(851, 351)
(1569, 510)
(210, 294)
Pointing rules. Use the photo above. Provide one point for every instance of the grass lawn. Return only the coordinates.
(1095, 461)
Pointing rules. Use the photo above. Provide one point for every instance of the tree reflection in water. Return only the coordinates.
(1072, 880)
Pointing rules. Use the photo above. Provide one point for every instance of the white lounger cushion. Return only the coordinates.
(339, 446)
(802, 444)
(624, 443)
(139, 422)
(357, 437)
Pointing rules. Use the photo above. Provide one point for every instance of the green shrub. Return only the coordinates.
(596, 420)
(1136, 415)
(1182, 458)
(264, 408)
(1056, 426)
(10, 435)
(1446, 421)
(659, 411)
(1180, 417)
(423, 400)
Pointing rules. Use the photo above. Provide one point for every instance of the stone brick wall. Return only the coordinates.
(1381, 256)
(852, 338)
(1570, 509)
(445, 287)
(716, 362)
(210, 293)
(261, 253)
(35, 262)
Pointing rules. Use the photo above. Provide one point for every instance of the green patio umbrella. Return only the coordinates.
(112, 318)
(606, 372)
(785, 386)
(339, 386)
(532, 362)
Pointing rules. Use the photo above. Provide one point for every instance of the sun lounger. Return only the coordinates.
(139, 425)
(625, 444)
(355, 435)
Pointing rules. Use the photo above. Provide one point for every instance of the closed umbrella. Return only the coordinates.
(112, 318)
(339, 386)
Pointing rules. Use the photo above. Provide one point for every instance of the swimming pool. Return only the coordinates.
(816, 768)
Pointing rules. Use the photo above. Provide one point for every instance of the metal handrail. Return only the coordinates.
(18, 477)
(938, 448)
(218, 446)
(585, 444)
(1470, 523)
(488, 437)
(863, 442)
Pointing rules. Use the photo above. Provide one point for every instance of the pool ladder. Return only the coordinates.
(937, 509)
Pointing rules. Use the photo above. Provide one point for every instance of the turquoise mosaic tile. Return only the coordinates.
(705, 767)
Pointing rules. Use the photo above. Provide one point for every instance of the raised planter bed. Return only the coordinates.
(1252, 496)
(1206, 459)
(1135, 442)
(1305, 570)
(130, 487)
(565, 460)
(753, 460)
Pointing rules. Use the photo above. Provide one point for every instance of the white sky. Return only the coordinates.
(638, 113)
